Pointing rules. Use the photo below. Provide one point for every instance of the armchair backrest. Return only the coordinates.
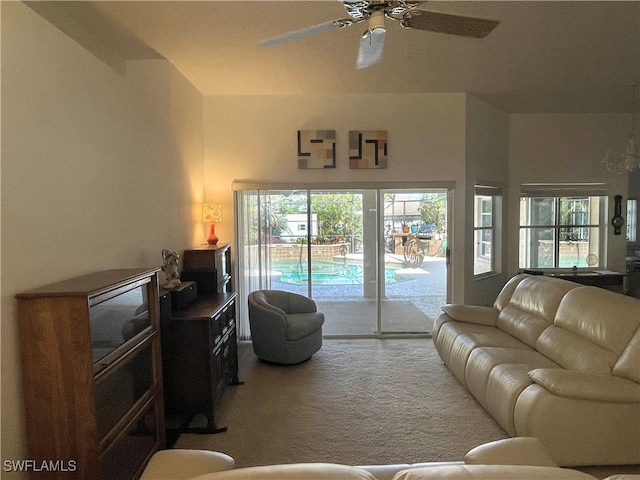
(288, 302)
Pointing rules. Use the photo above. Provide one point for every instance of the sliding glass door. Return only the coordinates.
(346, 249)
(413, 268)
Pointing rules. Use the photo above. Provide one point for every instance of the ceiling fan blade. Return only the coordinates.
(451, 24)
(371, 47)
(305, 32)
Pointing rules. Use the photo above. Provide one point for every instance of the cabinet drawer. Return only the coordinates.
(216, 329)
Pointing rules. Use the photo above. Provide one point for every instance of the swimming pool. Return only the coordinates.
(325, 272)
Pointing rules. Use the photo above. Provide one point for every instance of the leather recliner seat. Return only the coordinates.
(554, 360)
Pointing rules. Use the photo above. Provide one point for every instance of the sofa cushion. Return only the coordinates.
(301, 325)
(457, 340)
(491, 472)
(628, 365)
(504, 296)
(599, 388)
(483, 359)
(506, 382)
(533, 307)
(609, 321)
(293, 471)
(183, 464)
(573, 352)
(605, 318)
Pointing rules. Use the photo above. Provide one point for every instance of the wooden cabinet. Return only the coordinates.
(202, 360)
(92, 374)
(209, 266)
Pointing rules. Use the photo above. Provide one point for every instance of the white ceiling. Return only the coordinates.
(548, 56)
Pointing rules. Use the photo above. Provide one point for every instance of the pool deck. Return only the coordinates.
(410, 305)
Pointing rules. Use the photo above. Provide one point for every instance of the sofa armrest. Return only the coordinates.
(182, 464)
(471, 314)
(511, 451)
(586, 386)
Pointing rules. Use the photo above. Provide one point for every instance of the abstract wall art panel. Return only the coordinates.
(316, 149)
(368, 149)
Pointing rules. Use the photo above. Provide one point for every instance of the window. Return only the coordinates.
(632, 218)
(561, 231)
(486, 212)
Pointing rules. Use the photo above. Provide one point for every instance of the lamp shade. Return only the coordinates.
(212, 213)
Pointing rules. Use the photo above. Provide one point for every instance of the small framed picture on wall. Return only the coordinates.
(367, 149)
(316, 149)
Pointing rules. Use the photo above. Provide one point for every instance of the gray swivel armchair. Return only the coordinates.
(286, 328)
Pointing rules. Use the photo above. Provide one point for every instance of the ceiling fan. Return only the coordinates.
(403, 11)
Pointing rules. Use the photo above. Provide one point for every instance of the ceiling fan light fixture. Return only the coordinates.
(404, 12)
(630, 159)
(376, 22)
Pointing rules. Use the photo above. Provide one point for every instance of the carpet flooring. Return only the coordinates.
(358, 317)
(356, 402)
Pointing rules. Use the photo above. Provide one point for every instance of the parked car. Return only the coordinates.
(426, 231)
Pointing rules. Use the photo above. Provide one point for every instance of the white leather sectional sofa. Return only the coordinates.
(512, 459)
(553, 360)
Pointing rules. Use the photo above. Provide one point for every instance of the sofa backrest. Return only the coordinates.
(505, 294)
(533, 301)
(595, 331)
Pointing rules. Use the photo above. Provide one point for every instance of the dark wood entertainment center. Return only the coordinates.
(200, 356)
(108, 359)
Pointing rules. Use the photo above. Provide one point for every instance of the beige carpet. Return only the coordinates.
(359, 317)
(361, 401)
(356, 402)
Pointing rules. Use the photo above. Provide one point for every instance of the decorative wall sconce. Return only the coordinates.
(212, 214)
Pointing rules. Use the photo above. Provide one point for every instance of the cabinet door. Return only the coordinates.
(117, 317)
(119, 389)
(125, 458)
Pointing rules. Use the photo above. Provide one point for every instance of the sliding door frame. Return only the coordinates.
(260, 186)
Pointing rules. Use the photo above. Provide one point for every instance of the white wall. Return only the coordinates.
(487, 163)
(99, 171)
(548, 148)
(439, 137)
(254, 138)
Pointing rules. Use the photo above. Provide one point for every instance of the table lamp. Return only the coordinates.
(212, 213)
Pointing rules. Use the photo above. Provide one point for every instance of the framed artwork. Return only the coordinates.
(316, 149)
(367, 149)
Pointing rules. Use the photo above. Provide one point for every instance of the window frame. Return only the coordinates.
(632, 216)
(492, 196)
(597, 223)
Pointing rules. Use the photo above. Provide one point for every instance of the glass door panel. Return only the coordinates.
(343, 266)
(347, 250)
(413, 266)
